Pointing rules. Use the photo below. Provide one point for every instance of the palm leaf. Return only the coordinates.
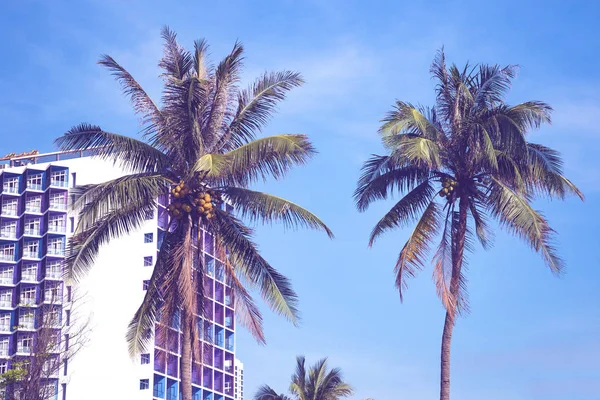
(545, 173)
(263, 207)
(265, 392)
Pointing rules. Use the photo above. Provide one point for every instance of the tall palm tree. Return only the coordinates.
(200, 147)
(471, 149)
(318, 383)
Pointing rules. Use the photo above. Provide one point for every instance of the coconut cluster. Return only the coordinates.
(197, 201)
(449, 185)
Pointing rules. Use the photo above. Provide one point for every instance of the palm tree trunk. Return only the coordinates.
(458, 247)
(186, 359)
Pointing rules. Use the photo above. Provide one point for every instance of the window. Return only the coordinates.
(29, 272)
(59, 178)
(32, 226)
(4, 347)
(65, 363)
(53, 292)
(5, 322)
(58, 201)
(144, 384)
(3, 367)
(8, 230)
(34, 181)
(31, 249)
(33, 204)
(57, 223)
(11, 185)
(74, 179)
(6, 298)
(145, 284)
(68, 293)
(53, 269)
(9, 207)
(52, 317)
(148, 261)
(72, 224)
(148, 237)
(28, 295)
(68, 317)
(25, 344)
(145, 358)
(6, 275)
(56, 246)
(7, 252)
(27, 318)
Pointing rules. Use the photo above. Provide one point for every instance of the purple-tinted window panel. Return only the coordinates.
(208, 309)
(172, 365)
(209, 243)
(229, 340)
(209, 265)
(208, 287)
(229, 318)
(219, 362)
(219, 292)
(208, 355)
(163, 218)
(159, 337)
(196, 374)
(219, 336)
(229, 362)
(209, 331)
(219, 314)
(163, 199)
(220, 271)
(207, 380)
(173, 339)
(228, 296)
(229, 385)
(218, 384)
(159, 361)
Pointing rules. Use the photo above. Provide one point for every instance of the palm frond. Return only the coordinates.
(493, 83)
(545, 173)
(84, 246)
(256, 105)
(299, 381)
(266, 208)
(176, 61)
(270, 156)
(381, 176)
(275, 288)
(265, 392)
(96, 200)
(200, 50)
(406, 118)
(516, 214)
(442, 270)
(412, 256)
(416, 150)
(405, 210)
(131, 154)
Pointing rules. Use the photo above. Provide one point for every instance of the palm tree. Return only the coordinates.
(471, 149)
(200, 146)
(318, 383)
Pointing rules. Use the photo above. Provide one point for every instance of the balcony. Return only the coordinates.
(31, 208)
(58, 183)
(32, 254)
(27, 302)
(34, 186)
(58, 205)
(33, 231)
(56, 252)
(10, 189)
(24, 349)
(29, 277)
(8, 235)
(7, 257)
(4, 352)
(57, 228)
(53, 275)
(6, 280)
(5, 328)
(53, 297)
(9, 212)
(6, 304)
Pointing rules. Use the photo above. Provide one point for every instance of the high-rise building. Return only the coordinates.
(35, 225)
(238, 389)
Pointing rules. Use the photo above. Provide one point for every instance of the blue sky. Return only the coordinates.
(530, 335)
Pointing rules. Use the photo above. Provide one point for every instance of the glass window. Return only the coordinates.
(32, 226)
(148, 261)
(25, 344)
(6, 298)
(58, 201)
(34, 181)
(5, 322)
(9, 207)
(4, 347)
(148, 237)
(6, 275)
(145, 284)
(52, 292)
(33, 204)
(3, 367)
(7, 252)
(56, 246)
(57, 223)
(31, 249)
(8, 230)
(145, 358)
(144, 384)
(11, 185)
(59, 178)
(149, 214)
(28, 295)
(29, 272)
(53, 269)
(26, 318)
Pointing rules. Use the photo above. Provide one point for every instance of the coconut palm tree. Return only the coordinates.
(318, 383)
(459, 164)
(200, 147)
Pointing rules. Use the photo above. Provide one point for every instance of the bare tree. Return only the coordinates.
(43, 356)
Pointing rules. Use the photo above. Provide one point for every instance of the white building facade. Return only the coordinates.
(35, 225)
